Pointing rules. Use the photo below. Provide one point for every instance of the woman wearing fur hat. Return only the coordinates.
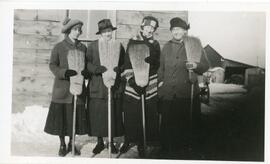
(182, 60)
(59, 119)
(132, 98)
(101, 54)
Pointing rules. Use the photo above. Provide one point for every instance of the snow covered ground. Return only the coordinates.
(29, 139)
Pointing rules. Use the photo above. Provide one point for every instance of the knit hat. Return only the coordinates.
(104, 24)
(178, 22)
(69, 23)
(150, 21)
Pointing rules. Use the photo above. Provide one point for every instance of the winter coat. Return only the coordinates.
(58, 66)
(173, 73)
(97, 88)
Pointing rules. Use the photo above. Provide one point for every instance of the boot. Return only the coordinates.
(77, 152)
(125, 147)
(99, 147)
(141, 151)
(62, 151)
(113, 149)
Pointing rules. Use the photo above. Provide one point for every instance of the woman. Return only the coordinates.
(60, 116)
(131, 102)
(99, 52)
(178, 73)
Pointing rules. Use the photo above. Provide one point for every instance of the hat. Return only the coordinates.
(150, 21)
(69, 23)
(178, 22)
(104, 24)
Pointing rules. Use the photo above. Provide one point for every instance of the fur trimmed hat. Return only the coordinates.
(178, 22)
(150, 21)
(104, 24)
(69, 23)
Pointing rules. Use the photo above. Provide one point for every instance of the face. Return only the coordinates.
(75, 32)
(148, 31)
(178, 32)
(106, 34)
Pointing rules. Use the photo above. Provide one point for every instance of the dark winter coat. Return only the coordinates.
(173, 73)
(58, 66)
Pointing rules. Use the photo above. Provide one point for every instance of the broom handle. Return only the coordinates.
(143, 122)
(191, 98)
(109, 122)
(74, 125)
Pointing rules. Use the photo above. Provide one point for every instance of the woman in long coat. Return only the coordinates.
(131, 102)
(176, 75)
(98, 101)
(60, 116)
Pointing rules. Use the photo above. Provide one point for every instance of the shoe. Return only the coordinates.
(99, 147)
(62, 151)
(113, 149)
(125, 147)
(141, 151)
(77, 152)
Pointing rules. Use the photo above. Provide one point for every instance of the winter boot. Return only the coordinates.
(62, 151)
(125, 147)
(99, 147)
(113, 149)
(141, 151)
(77, 152)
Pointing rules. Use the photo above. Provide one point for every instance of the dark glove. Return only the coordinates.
(150, 60)
(117, 69)
(70, 73)
(86, 74)
(100, 69)
(138, 89)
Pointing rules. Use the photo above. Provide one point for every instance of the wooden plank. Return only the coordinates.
(135, 17)
(24, 56)
(35, 41)
(32, 70)
(37, 27)
(51, 15)
(22, 14)
(43, 56)
(128, 31)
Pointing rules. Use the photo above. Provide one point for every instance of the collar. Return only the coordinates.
(70, 42)
(177, 41)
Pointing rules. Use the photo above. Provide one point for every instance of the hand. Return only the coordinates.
(100, 69)
(117, 70)
(86, 74)
(149, 60)
(138, 89)
(70, 73)
(191, 65)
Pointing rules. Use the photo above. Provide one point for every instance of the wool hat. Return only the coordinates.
(178, 22)
(150, 21)
(69, 23)
(104, 24)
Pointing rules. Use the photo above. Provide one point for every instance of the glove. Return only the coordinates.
(138, 89)
(86, 74)
(150, 60)
(70, 73)
(100, 69)
(117, 70)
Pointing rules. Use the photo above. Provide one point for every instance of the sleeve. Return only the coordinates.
(203, 65)
(161, 67)
(89, 58)
(54, 64)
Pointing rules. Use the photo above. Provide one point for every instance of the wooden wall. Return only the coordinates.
(37, 31)
(128, 23)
